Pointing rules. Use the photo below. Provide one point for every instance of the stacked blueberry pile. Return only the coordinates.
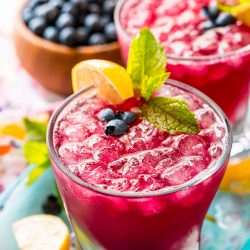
(72, 22)
(216, 18)
(117, 124)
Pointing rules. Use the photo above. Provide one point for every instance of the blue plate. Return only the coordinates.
(230, 232)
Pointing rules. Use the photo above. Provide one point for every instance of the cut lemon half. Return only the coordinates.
(40, 232)
(112, 81)
(237, 177)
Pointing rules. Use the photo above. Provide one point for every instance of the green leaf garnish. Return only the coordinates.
(36, 153)
(35, 148)
(35, 174)
(152, 83)
(36, 131)
(170, 114)
(147, 63)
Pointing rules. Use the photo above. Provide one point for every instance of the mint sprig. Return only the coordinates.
(170, 114)
(147, 63)
(147, 68)
(35, 149)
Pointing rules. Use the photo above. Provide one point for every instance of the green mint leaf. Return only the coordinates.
(36, 131)
(147, 60)
(152, 83)
(36, 152)
(35, 173)
(170, 115)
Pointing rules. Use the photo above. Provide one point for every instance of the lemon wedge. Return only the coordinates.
(40, 232)
(112, 81)
(242, 13)
(237, 177)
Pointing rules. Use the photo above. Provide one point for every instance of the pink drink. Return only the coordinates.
(216, 61)
(145, 189)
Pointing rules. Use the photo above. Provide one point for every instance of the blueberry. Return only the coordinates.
(47, 10)
(81, 4)
(205, 11)
(37, 25)
(27, 15)
(105, 19)
(119, 114)
(51, 34)
(213, 11)
(51, 206)
(34, 3)
(116, 127)
(109, 6)
(224, 19)
(129, 117)
(82, 35)
(106, 114)
(97, 39)
(93, 22)
(69, 8)
(67, 36)
(207, 25)
(110, 32)
(57, 3)
(94, 8)
(65, 20)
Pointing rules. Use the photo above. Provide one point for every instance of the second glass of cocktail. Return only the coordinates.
(214, 59)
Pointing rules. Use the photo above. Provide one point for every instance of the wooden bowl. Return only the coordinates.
(49, 63)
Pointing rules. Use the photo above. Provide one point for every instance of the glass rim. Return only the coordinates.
(193, 182)
(120, 28)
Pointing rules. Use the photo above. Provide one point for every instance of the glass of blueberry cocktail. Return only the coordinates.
(137, 158)
(207, 48)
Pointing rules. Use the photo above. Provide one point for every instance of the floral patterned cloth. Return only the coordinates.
(20, 96)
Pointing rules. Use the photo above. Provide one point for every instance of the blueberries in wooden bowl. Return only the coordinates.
(51, 36)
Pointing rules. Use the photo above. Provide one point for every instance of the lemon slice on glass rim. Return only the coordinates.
(112, 81)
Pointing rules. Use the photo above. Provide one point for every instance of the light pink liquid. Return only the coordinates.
(144, 161)
(211, 61)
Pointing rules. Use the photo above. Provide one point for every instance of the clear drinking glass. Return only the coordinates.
(224, 78)
(170, 219)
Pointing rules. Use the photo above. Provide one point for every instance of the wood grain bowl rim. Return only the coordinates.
(21, 28)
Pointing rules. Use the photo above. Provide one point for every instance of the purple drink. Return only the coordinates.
(215, 61)
(145, 189)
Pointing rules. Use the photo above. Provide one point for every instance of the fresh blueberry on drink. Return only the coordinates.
(225, 19)
(129, 117)
(116, 127)
(106, 114)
